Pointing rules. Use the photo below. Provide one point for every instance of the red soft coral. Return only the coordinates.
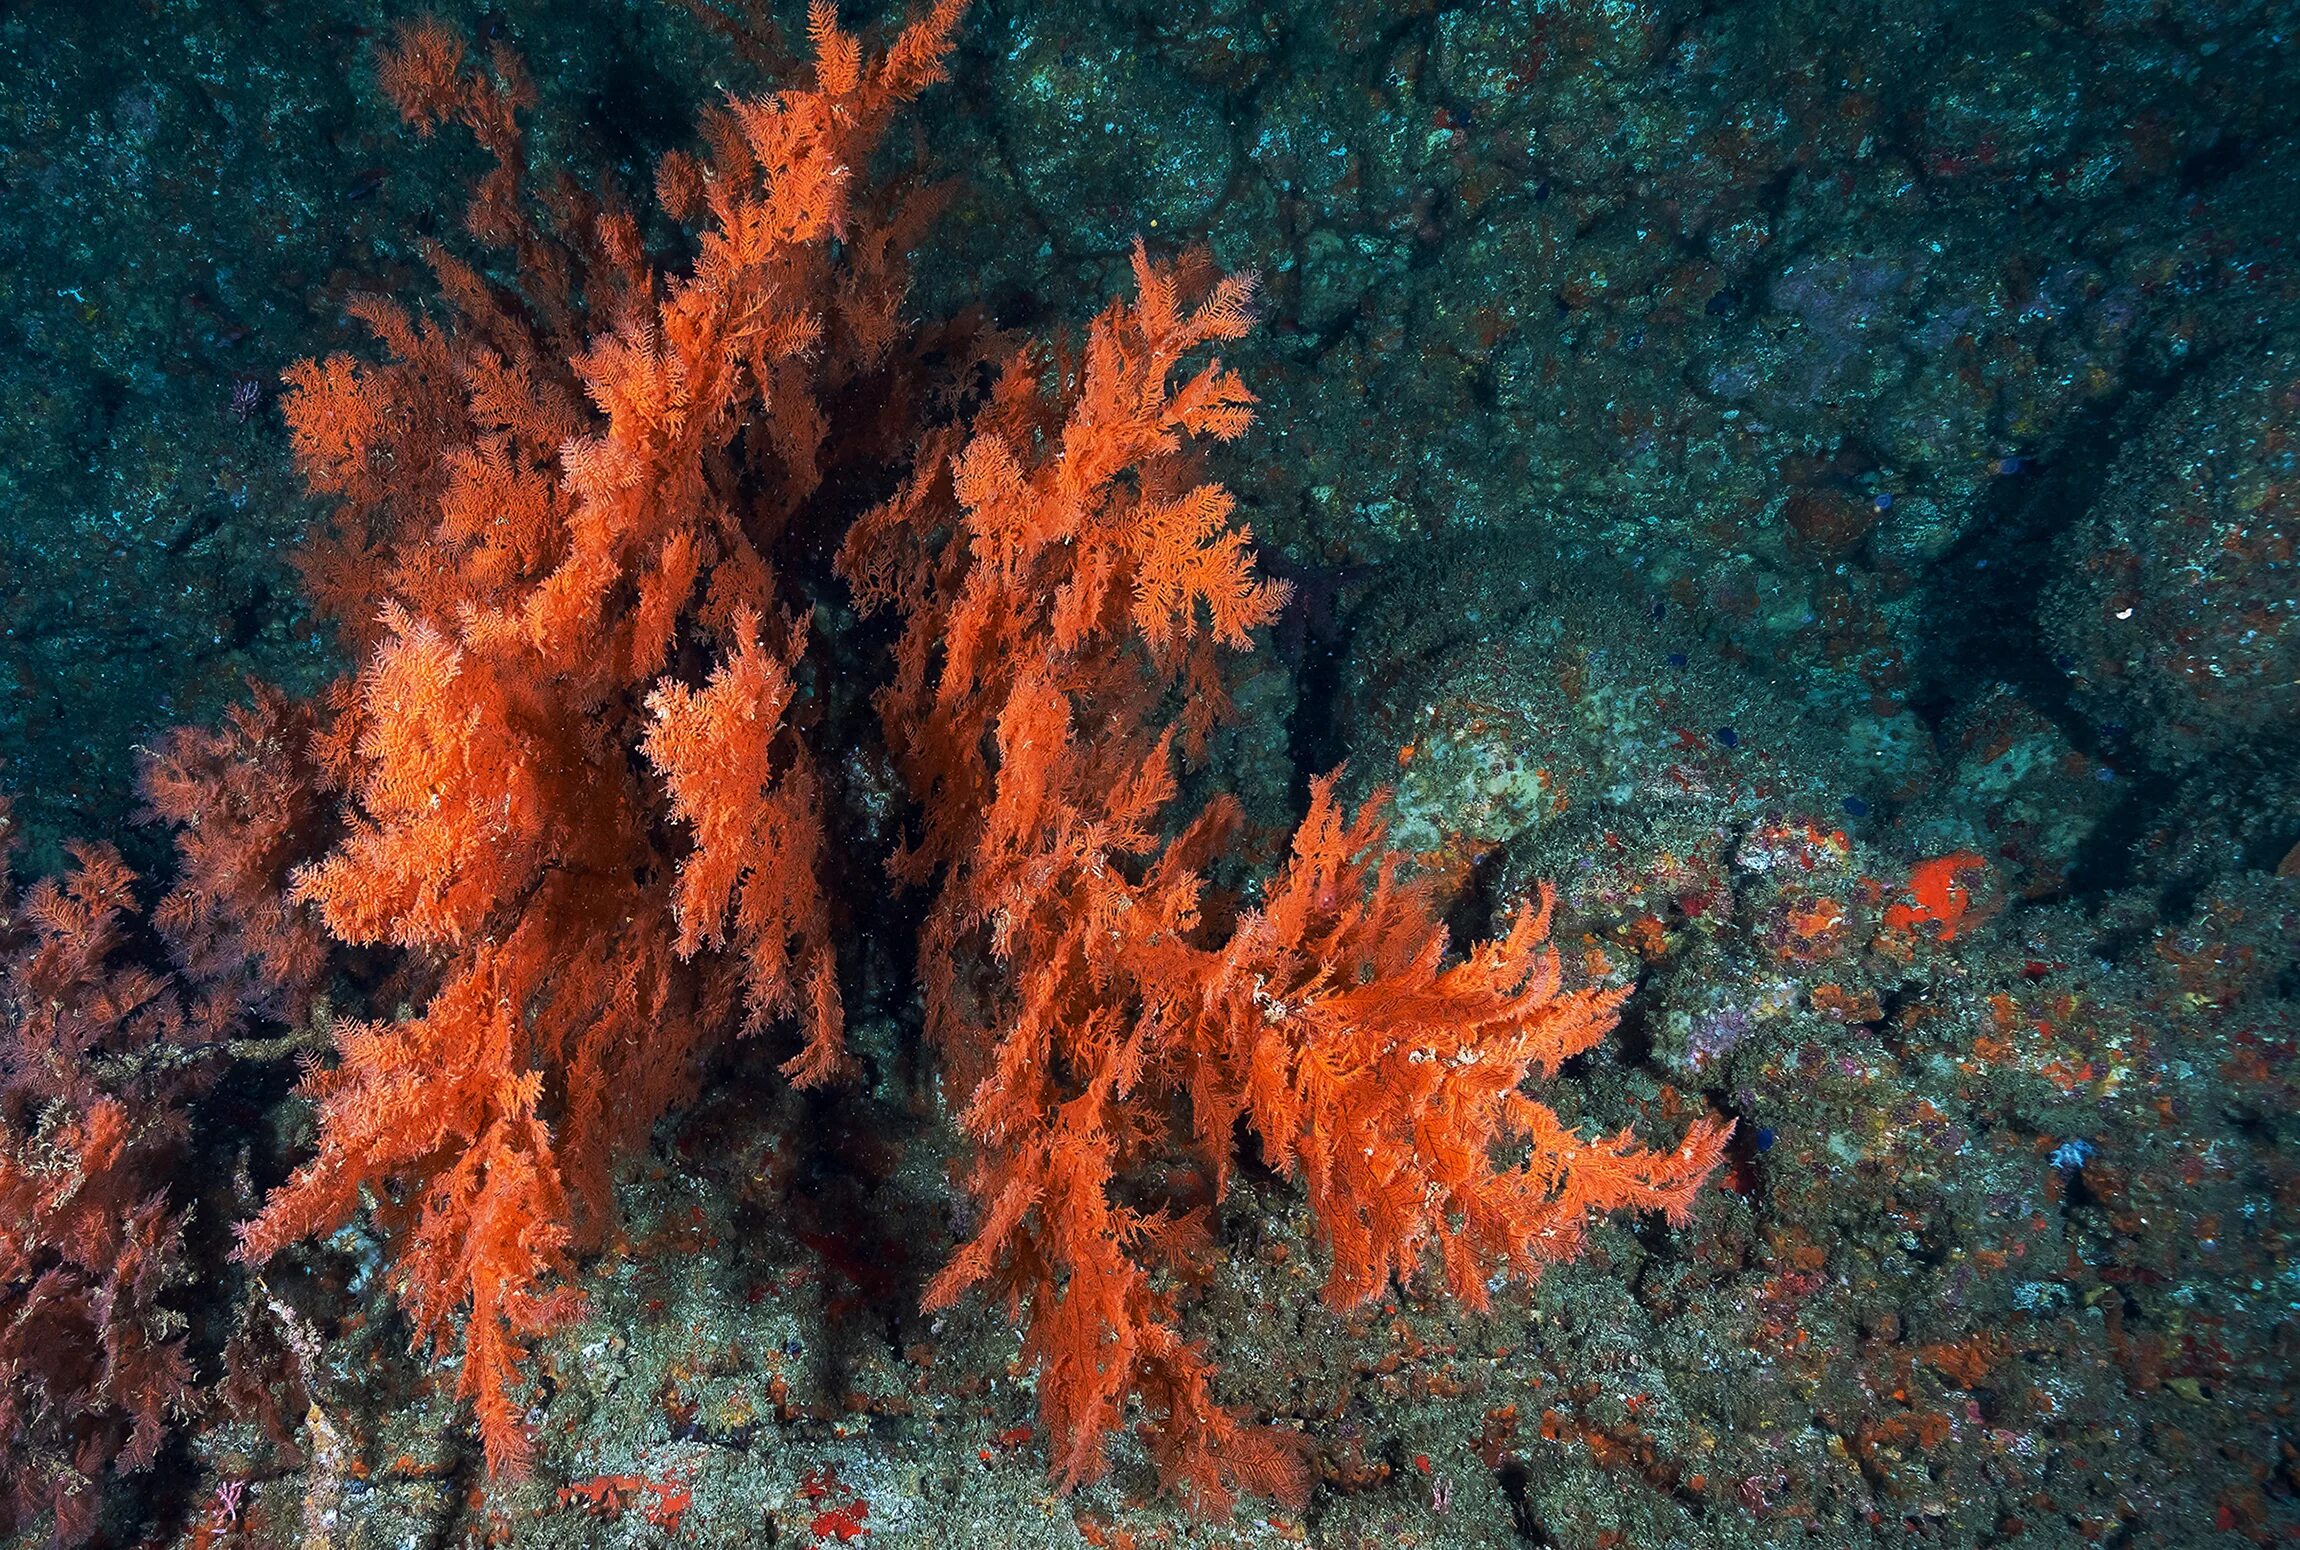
(1061, 572)
(247, 811)
(758, 829)
(549, 516)
(93, 1057)
(579, 794)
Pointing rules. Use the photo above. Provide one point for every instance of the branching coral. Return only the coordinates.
(536, 517)
(1063, 575)
(246, 809)
(578, 796)
(92, 1065)
(101, 1054)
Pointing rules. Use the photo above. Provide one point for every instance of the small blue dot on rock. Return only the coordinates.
(1729, 737)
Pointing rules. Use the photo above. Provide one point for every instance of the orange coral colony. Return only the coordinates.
(530, 515)
(570, 785)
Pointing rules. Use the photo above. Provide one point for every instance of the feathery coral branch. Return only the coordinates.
(1082, 584)
(92, 1360)
(548, 512)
